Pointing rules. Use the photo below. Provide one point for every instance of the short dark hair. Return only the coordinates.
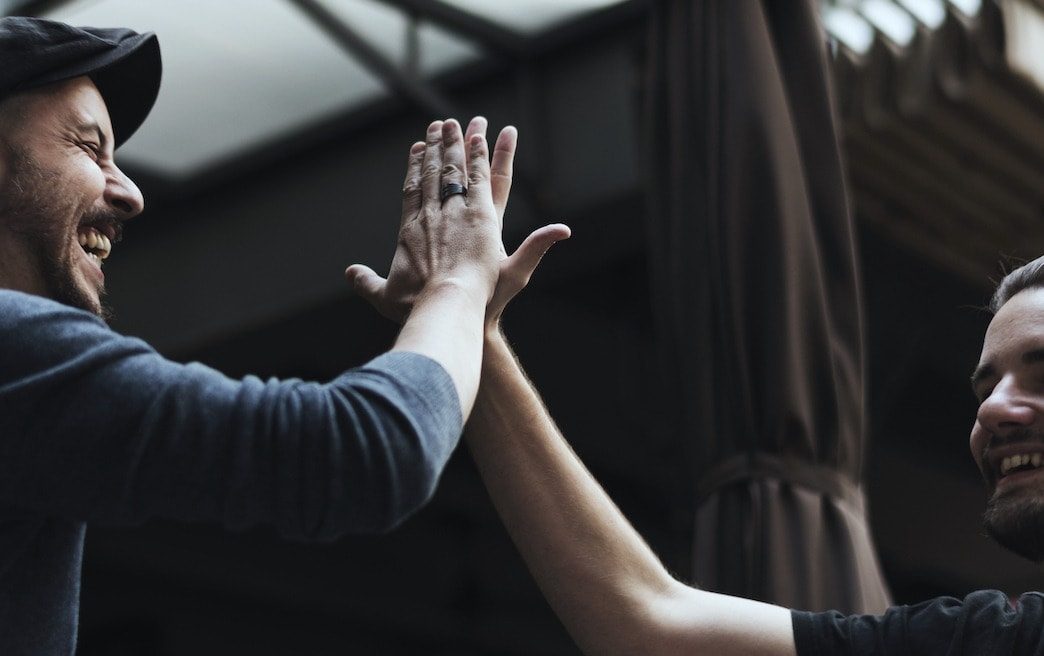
(1027, 276)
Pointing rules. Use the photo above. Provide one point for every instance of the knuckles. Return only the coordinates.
(451, 170)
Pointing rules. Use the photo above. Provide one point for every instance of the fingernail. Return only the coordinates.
(417, 148)
(435, 126)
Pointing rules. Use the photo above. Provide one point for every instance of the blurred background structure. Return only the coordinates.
(274, 159)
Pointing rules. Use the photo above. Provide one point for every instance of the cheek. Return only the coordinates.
(976, 442)
(89, 180)
(82, 187)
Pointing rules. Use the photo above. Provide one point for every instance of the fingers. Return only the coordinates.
(478, 169)
(502, 168)
(476, 126)
(524, 260)
(453, 166)
(366, 283)
(516, 270)
(431, 168)
(411, 188)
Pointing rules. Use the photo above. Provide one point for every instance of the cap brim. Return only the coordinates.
(129, 82)
(127, 76)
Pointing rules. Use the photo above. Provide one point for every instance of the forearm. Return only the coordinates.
(609, 589)
(188, 443)
(446, 326)
(596, 571)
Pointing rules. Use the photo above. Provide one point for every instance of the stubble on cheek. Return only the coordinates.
(40, 207)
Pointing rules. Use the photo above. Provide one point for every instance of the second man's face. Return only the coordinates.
(1007, 439)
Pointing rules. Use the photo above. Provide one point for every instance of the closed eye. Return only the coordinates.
(94, 150)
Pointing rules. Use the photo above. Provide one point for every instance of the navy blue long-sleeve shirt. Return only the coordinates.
(97, 427)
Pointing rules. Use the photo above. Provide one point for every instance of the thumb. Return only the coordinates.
(523, 262)
(365, 282)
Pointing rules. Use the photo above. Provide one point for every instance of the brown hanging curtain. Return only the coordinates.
(757, 293)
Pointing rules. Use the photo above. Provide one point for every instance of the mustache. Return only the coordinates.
(105, 222)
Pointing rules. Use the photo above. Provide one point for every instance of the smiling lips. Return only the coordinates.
(95, 244)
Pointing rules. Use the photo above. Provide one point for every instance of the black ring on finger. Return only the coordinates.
(452, 189)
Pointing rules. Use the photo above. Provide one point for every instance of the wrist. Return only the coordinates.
(493, 333)
(468, 289)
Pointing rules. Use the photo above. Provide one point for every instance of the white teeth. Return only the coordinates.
(95, 243)
(1020, 460)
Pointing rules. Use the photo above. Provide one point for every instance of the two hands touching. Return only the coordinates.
(450, 277)
(449, 282)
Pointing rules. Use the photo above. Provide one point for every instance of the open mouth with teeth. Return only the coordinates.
(1019, 463)
(96, 244)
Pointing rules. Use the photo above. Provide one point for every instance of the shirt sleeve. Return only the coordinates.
(983, 623)
(99, 427)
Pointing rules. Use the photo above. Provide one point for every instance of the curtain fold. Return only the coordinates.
(755, 286)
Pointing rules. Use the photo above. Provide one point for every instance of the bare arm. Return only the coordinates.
(610, 590)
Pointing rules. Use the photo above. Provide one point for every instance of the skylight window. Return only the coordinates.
(530, 16)
(894, 22)
(849, 28)
(931, 13)
(1024, 42)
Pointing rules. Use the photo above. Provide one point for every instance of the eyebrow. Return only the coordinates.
(984, 371)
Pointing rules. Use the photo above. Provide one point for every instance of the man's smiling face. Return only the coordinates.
(1007, 440)
(62, 199)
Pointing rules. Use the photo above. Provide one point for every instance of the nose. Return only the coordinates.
(122, 194)
(1005, 409)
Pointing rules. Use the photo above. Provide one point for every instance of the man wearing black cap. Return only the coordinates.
(97, 426)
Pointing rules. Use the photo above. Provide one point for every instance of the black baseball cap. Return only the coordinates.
(124, 65)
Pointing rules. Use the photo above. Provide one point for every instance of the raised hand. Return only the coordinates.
(516, 270)
(458, 237)
(451, 240)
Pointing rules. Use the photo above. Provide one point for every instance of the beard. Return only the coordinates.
(35, 200)
(1016, 522)
(1015, 518)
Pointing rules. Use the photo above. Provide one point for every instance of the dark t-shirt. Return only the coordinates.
(985, 623)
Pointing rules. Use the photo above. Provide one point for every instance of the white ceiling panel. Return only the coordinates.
(236, 73)
(530, 16)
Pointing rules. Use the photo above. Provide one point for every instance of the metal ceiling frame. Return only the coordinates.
(495, 39)
(397, 79)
